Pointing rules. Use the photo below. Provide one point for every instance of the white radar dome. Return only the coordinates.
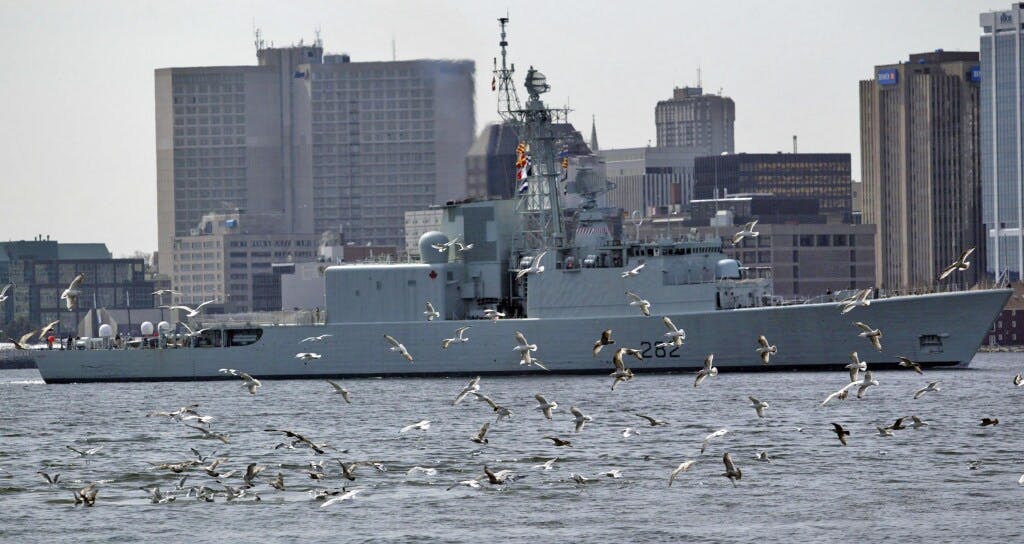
(146, 328)
(106, 331)
(163, 326)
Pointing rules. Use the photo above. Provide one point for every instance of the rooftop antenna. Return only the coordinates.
(394, 53)
(258, 35)
(794, 144)
(699, 78)
(318, 42)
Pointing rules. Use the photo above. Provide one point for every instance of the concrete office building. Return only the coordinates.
(418, 223)
(1002, 150)
(651, 180)
(327, 143)
(692, 119)
(825, 176)
(919, 128)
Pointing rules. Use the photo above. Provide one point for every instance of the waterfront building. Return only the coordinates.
(919, 129)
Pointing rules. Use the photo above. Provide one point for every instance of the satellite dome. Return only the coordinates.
(106, 331)
(430, 255)
(146, 328)
(163, 326)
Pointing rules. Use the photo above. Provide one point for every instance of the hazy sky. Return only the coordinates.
(77, 155)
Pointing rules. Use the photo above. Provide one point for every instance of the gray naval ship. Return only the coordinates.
(472, 274)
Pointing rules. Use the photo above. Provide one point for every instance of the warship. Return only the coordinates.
(532, 284)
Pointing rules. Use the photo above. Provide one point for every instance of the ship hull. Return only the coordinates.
(934, 330)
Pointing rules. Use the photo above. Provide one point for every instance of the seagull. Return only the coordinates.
(460, 337)
(558, 442)
(316, 338)
(84, 453)
(212, 471)
(481, 435)
(636, 300)
(162, 292)
(51, 480)
(841, 433)
(308, 356)
(653, 422)
(176, 468)
(493, 315)
(961, 264)
(1018, 380)
(430, 312)
(22, 343)
(918, 422)
(859, 299)
(298, 439)
(252, 384)
(87, 495)
(856, 366)
(683, 467)
(907, 363)
(868, 381)
(424, 470)
(547, 464)
(759, 406)
(3, 292)
(606, 339)
(933, 386)
(157, 497)
(339, 390)
(70, 295)
(766, 350)
(534, 268)
(710, 437)
(460, 247)
(499, 409)
(897, 425)
(635, 271)
(472, 387)
(628, 432)
(397, 347)
(524, 348)
(613, 473)
(343, 497)
(621, 373)
(251, 471)
(842, 393)
(47, 330)
(581, 418)
(500, 477)
(763, 456)
(209, 434)
(874, 335)
(675, 335)
(468, 483)
(277, 483)
(192, 312)
(985, 421)
(441, 248)
(419, 425)
(544, 405)
(747, 230)
(884, 431)
(731, 471)
(708, 370)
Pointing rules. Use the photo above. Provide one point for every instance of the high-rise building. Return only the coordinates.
(650, 180)
(692, 119)
(1002, 150)
(825, 176)
(327, 143)
(919, 125)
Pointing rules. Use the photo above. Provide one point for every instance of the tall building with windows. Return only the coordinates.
(326, 143)
(1002, 150)
(919, 125)
(692, 119)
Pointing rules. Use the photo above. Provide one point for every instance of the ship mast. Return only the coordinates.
(538, 204)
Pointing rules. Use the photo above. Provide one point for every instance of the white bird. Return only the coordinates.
(156, 496)
(481, 436)
(856, 366)
(441, 248)
(419, 425)
(765, 350)
(581, 419)
(884, 431)
(498, 409)
(747, 230)
(1018, 380)
(460, 247)
(636, 300)
(710, 437)
(547, 464)
(674, 334)
(759, 406)
(71, 294)
(3, 292)
(493, 314)
(874, 335)
(308, 356)
(763, 456)
(858, 299)
(316, 338)
(707, 371)
(190, 311)
(635, 271)
(472, 387)
(525, 348)
(85, 453)
(534, 268)
(43, 332)
(933, 386)
(22, 343)
(683, 467)
(430, 312)
(339, 390)
(208, 433)
(613, 473)
(460, 337)
(621, 373)
(162, 292)
(842, 393)
(343, 497)
(629, 431)
(918, 422)
(250, 383)
(579, 478)
(907, 363)
(868, 381)
(544, 405)
(731, 471)
(961, 264)
(424, 470)
(397, 347)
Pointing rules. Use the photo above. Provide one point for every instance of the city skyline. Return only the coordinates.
(79, 101)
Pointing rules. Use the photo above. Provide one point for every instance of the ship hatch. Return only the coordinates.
(930, 343)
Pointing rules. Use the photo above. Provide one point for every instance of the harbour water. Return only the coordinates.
(952, 480)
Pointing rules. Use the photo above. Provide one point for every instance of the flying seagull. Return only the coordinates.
(3, 292)
(874, 335)
(250, 383)
(856, 366)
(397, 347)
(460, 247)
(606, 339)
(759, 406)
(638, 301)
(933, 386)
(961, 263)
(710, 437)
(481, 435)
(544, 406)
(343, 497)
(765, 350)
(558, 442)
(747, 230)
(430, 312)
(339, 390)
(316, 338)
(842, 393)
(471, 387)
(47, 329)
(652, 421)
(841, 433)
(534, 268)
(308, 356)
(419, 425)
(860, 298)
(707, 371)
(683, 467)
(621, 373)
(71, 294)
(498, 409)
(731, 471)
(907, 363)
(460, 337)
(635, 271)
(581, 418)
(675, 335)
(493, 314)
(441, 248)
(525, 348)
(85, 453)
(299, 439)
(868, 381)
(192, 312)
